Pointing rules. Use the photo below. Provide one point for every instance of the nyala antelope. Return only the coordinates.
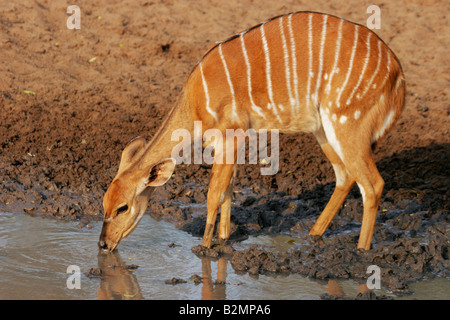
(303, 71)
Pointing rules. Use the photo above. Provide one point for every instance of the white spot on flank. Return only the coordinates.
(343, 119)
(230, 84)
(357, 114)
(325, 76)
(333, 117)
(205, 88)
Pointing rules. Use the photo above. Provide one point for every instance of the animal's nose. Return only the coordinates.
(102, 245)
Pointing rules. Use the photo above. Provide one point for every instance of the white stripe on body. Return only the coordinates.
(363, 71)
(350, 67)
(375, 72)
(230, 84)
(388, 71)
(249, 78)
(268, 74)
(310, 60)
(205, 88)
(286, 65)
(322, 45)
(294, 62)
(336, 57)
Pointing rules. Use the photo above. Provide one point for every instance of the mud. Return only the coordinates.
(65, 119)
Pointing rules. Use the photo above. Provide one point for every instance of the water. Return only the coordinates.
(36, 252)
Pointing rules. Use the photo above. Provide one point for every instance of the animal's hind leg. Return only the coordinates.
(371, 185)
(344, 183)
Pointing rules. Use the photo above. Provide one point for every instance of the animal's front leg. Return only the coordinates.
(220, 180)
(225, 211)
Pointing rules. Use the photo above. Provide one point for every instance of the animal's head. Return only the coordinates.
(126, 199)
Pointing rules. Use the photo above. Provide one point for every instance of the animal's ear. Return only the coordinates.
(160, 172)
(132, 149)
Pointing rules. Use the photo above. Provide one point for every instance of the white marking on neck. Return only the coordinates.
(350, 67)
(294, 62)
(257, 109)
(363, 71)
(322, 45)
(230, 84)
(268, 74)
(336, 57)
(205, 88)
(139, 217)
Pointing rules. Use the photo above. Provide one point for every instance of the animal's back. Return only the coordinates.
(285, 72)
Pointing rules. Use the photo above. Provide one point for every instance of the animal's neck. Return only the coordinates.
(179, 117)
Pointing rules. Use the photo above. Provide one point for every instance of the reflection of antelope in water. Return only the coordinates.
(214, 290)
(303, 71)
(118, 283)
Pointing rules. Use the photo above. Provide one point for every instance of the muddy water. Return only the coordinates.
(36, 252)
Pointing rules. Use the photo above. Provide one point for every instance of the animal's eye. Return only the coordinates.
(122, 209)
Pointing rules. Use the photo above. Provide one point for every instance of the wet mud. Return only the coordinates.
(65, 119)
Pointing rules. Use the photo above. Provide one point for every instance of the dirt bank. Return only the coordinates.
(70, 100)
